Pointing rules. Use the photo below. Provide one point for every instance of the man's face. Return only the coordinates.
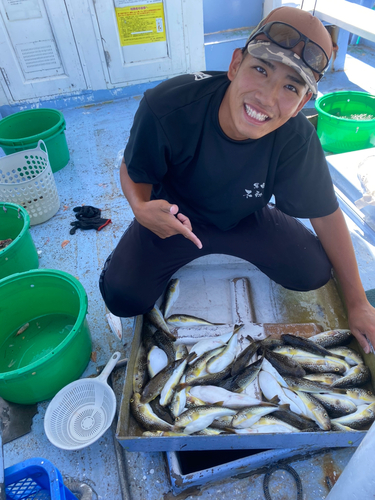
(261, 97)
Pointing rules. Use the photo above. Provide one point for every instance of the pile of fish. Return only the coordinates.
(211, 388)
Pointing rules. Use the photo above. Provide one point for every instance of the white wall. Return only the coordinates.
(90, 56)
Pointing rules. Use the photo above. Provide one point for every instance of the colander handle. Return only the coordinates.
(109, 367)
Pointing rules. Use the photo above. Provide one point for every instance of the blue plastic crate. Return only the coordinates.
(35, 479)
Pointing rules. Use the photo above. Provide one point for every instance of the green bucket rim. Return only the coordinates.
(55, 130)
(342, 93)
(80, 319)
(26, 226)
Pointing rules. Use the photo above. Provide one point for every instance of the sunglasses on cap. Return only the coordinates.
(286, 36)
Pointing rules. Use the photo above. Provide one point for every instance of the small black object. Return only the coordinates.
(87, 212)
(88, 218)
(291, 471)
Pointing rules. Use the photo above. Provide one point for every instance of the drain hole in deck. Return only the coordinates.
(194, 461)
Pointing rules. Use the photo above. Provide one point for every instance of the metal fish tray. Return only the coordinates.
(228, 290)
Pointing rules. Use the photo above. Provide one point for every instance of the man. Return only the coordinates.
(206, 153)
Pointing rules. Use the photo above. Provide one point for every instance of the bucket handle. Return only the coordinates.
(40, 143)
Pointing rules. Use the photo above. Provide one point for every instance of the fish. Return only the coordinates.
(115, 325)
(160, 411)
(357, 375)
(145, 416)
(23, 328)
(271, 343)
(154, 387)
(336, 405)
(198, 367)
(211, 394)
(243, 359)
(300, 421)
(304, 385)
(211, 431)
(288, 350)
(307, 345)
(268, 424)
(284, 364)
(181, 351)
(223, 423)
(140, 374)
(305, 359)
(156, 318)
(271, 388)
(167, 392)
(170, 296)
(148, 335)
(164, 342)
(206, 345)
(363, 417)
(200, 417)
(225, 358)
(187, 320)
(336, 427)
(321, 365)
(351, 357)
(360, 396)
(208, 378)
(316, 410)
(240, 382)
(322, 378)
(192, 401)
(178, 404)
(267, 367)
(156, 361)
(332, 338)
(250, 415)
(162, 434)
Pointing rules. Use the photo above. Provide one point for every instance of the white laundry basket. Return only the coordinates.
(26, 179)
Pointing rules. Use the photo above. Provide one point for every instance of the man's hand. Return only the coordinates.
(336, 240)
(163, 219)
(362, 324)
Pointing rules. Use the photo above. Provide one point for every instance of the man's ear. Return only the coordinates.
(304, 100)
(235, 64)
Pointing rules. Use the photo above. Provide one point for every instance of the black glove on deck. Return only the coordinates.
(88, 218)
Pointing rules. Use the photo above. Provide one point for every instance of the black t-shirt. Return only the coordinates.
(176, 143)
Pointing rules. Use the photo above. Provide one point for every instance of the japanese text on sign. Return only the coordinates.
(141, 24)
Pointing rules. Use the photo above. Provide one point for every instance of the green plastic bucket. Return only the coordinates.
(346, 121)
(21, 254)
(25, 129)
(45, 341)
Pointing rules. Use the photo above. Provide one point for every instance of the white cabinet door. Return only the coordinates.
(144, 40)
(38, 54)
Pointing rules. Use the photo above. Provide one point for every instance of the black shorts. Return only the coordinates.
(138, 270)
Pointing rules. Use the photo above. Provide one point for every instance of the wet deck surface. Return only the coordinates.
(95, 135)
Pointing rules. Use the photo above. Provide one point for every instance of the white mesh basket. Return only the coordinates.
(26, 179)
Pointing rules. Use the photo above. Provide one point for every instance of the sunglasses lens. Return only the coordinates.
(284, 35)
(315, 57)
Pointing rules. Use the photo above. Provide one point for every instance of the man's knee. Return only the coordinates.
(123, 300)
(310, 279)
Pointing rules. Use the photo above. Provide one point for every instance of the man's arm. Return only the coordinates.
(158, 216)
(335, 238)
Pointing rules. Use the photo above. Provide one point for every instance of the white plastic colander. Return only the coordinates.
(82, 411)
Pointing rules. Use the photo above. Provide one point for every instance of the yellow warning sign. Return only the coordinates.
(141, 24)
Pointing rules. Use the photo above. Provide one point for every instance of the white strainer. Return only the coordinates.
(82, 411)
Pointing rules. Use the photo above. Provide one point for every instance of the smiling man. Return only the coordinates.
(205, 155)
